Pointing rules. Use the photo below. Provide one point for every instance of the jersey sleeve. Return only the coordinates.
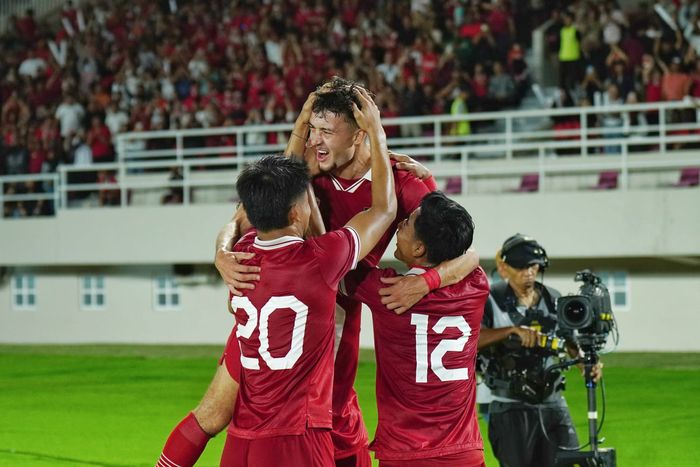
(337, 253)
(409, 193)
(363, 285)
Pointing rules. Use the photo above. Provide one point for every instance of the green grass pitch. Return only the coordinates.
(115, 405)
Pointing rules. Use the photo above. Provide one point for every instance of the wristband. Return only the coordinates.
(432, 278)
(430, 183)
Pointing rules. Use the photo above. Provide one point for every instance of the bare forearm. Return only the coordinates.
(383, 193)
(489, 336)
(297, 140)
(372, 223)
(454, 270)
(316, 226)
(227, 235)
(231, 232)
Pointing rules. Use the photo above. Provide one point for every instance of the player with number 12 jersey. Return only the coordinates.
(429, 352)
(426, 357)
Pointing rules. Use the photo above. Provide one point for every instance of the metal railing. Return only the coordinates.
(509, 130)
(18, 7)
(508, 145)
(49, 190)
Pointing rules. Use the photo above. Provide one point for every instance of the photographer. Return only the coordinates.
(519, 339)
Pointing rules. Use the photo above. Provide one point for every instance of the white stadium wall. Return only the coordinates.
(651, 236)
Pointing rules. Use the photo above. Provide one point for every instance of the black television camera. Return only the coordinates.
(589, 313)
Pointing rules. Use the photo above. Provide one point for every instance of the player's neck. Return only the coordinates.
(357, 166)
(289, 231)
(422, 263)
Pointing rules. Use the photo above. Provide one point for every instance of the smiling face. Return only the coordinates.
(333, 140)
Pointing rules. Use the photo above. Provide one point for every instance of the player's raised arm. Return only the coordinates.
(316, 226)
(296, 146)
(300, 133)
(236, 275)
(372, 223)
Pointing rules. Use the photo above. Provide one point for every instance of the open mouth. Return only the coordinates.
(322, 155)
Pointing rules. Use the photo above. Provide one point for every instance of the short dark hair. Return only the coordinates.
(336, 96)
(445, 228)
(269, 187)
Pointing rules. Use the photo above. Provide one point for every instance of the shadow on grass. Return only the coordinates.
(68, 460)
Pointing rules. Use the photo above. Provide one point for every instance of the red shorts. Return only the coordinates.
(473, 458)
(232, 357)
(312, 449)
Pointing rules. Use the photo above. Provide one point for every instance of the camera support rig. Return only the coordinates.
(596, 457)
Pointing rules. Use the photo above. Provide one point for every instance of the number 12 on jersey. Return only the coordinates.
(434, 360)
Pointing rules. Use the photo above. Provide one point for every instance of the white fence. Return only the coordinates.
(502, 145)
(18, 7)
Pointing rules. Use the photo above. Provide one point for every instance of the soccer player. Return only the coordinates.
(286, 328)
(426, 388)
(327, 132)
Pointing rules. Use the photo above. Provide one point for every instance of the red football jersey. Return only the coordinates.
(285, 329)
(339, 200)
(426, 387)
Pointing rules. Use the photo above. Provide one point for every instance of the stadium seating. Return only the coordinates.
(453, 186)
(607, 181)
(690, 176)
(529, 183)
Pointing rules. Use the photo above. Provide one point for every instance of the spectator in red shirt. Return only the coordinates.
(37, 155)
(99, 139)
(674, 83)
(26, 27)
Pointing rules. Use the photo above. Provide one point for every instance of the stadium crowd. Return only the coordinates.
(609, 57)
(70, 82)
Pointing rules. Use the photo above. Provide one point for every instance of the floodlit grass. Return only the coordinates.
(115, 405)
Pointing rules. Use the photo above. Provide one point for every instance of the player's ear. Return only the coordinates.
(418, 249)
(294, 214)
(360, 136)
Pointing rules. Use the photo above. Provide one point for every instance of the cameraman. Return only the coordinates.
(529, 417)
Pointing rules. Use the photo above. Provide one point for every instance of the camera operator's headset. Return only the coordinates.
(519, 239)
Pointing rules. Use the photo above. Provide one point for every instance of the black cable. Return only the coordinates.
(598, 429)
(602, 403)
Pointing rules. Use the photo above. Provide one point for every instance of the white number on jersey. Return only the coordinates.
(246, 331)
(446, 345)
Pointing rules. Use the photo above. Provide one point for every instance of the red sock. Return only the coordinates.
(184, 445)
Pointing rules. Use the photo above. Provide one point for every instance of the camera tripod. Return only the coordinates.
(596, 457)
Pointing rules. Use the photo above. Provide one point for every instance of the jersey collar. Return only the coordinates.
(415, 271)
(352, 188)
(277, 242)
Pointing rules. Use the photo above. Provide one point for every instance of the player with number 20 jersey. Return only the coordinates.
(286, 333)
